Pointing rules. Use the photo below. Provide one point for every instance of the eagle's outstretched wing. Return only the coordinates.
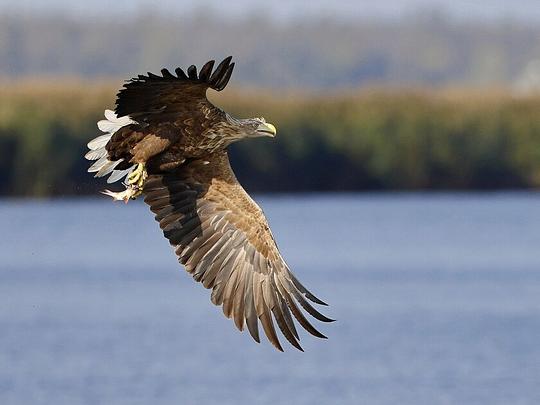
(157, 99)
(221, 236)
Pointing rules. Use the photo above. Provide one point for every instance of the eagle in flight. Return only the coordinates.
(166, 141)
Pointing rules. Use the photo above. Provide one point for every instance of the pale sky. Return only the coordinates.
(287, 9)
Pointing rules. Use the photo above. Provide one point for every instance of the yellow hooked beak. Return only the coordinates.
(267, 128)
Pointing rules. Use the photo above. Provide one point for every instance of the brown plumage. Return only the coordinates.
(218, 232)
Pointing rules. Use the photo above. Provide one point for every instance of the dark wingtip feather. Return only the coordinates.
(284, 327)
(192, 72)
(255, 335)
(220, 85)
(312, 311)
(180, 73)
(269, 330)
(308, 294)
(297, 346)
(166, 74)
(206, 70)
(220, 70)
(295, 311)
(314, 299)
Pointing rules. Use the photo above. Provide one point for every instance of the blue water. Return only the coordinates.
(437, 299)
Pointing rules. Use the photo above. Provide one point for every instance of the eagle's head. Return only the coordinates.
(235, 129)
(255, 128)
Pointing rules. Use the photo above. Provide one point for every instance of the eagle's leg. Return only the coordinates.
(137, 177)
(134, 185)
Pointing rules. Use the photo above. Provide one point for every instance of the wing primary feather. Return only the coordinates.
(220, 70)
(230, 289)
(250, 312)
(282, 324)
(239, 302)
(312, 311)
(166, 74)
(221, 280)
(231, 284)
(309, 295)
(284, 308)
(206, 70)
(266, 321)
(225, 79)
(192, 72)
(297, 313)
(180, 73)
(273, 303)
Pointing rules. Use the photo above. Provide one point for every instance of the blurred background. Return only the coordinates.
(401, 187)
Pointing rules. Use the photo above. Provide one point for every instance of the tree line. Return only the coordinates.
(341, 141)
(429, 49)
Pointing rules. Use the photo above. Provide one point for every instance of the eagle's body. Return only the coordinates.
(171, 143)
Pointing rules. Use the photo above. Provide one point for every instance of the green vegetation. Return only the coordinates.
(370, 139)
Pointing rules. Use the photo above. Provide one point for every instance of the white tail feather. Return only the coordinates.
(99, 142)
(95, 154)
(98, 152)
(98, 164)
(108, 167)
(119, 174)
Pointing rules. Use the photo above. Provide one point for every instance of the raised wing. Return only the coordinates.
(156, 112)
(153, 98)
(221, 236)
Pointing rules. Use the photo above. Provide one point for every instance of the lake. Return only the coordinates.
(436, 296)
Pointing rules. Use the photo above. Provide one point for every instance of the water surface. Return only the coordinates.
(437, 299)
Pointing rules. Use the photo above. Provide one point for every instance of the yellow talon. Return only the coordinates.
(134, 185)
(138, 176)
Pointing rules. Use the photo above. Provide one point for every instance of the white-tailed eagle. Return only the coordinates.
(168, 142)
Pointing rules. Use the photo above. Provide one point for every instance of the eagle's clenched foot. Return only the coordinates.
(137, 177)
(134, 185)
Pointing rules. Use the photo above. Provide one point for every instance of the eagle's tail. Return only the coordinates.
(102, 165)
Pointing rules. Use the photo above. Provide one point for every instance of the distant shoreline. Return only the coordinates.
(376, 140)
